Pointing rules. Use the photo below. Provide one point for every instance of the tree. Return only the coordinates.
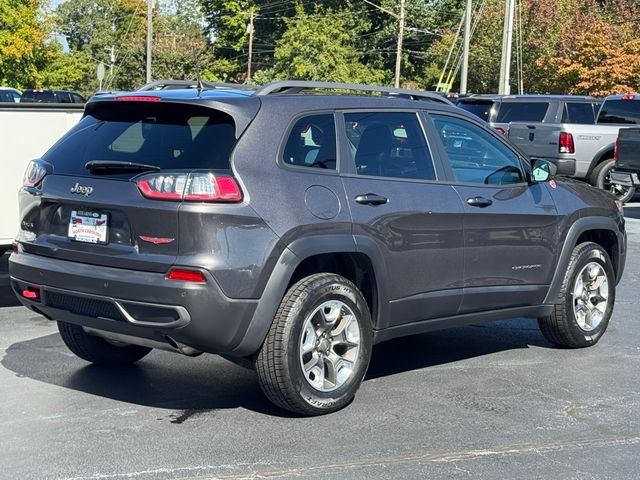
(321, 46)
(23, 47)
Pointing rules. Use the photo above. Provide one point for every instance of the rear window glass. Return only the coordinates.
(522, 112)
(582, 113)
(169, 136)
(620, 111)
(45, 97)
(481, 110)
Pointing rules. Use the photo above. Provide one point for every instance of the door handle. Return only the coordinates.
(479, 202)
(371, 199)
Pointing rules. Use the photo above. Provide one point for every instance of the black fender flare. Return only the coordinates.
(578, 228)
(292, 256)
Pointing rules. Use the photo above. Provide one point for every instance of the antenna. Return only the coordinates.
(196, 57)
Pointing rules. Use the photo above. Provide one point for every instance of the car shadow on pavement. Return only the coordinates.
(208, 383)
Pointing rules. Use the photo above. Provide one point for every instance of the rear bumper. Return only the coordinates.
(134, 303)
(627, 179)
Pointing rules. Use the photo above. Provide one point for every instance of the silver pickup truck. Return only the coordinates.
(582, 151)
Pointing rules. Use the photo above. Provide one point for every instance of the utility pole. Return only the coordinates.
(399, 49)
(465, 50)
(149, 37)
(507, 36)
(250, 31)
(112, 60)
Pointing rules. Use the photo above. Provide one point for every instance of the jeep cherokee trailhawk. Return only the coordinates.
(296, 230)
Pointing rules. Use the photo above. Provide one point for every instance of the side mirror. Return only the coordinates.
(542, 170)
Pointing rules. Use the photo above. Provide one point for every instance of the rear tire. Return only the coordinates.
(318, 348)
(585, 303)
(97, 350)
(601, 178)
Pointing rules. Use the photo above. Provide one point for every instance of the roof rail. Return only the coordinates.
(178, 84)
(297, 86)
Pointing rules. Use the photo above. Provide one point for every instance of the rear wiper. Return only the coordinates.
(113, 165)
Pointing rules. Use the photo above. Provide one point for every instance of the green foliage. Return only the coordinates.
(321, 46)
(578, 46)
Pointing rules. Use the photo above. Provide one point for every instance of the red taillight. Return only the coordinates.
(15, 248)
(565, 144)
(34, 174)
(137, 98)
(615, 149)
(500, 130)
(194, 187)
(31, 293)
(182, 275)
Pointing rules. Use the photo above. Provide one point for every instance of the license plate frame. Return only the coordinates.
(88, 227)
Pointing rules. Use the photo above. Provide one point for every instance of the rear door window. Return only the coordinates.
(620, 111)
(581, 113)
(389, 144)
(522, 111)
(312, 143)
(170, 136)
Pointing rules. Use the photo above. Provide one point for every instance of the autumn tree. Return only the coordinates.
(24, 50)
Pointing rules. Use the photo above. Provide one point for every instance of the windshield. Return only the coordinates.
(165, 135)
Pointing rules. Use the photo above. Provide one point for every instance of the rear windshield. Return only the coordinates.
(620, 111)
(479, 109)
(169, 136)
(522, 112)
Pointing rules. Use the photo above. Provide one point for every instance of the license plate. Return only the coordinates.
(88, 227)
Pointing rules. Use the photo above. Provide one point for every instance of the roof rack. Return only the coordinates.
(297, 86)
(180, 84)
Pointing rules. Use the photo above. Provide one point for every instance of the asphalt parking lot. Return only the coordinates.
(489, 401)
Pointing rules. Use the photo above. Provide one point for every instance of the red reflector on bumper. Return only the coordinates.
(187, 276)
(31, 294)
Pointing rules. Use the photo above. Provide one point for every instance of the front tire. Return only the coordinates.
(601, 178)
(584, 305)
(318, 348)
(97, 350)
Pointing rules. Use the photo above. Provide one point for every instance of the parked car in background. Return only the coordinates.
(9, 95)
(51, 96)
(581, 150)
(295, 231)
(500, 110)
(627, 156)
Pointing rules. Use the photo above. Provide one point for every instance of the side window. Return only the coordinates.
(581, 113)
(389, 144)
(522, 112)
(77, 98)
(312, 143)
(475, 155)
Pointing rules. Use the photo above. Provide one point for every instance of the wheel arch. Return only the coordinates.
(306, 256)
(602, 155)
(601, 230)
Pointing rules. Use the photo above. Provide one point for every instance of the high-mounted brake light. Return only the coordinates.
(194, 187)
(184, 275)
(137, 98)
(34, 174)
(629, 96)
(565, 143)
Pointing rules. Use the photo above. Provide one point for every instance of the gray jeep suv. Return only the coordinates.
(295, 231)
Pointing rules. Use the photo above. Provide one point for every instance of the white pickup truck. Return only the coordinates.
(27, 131)
(582, 151)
